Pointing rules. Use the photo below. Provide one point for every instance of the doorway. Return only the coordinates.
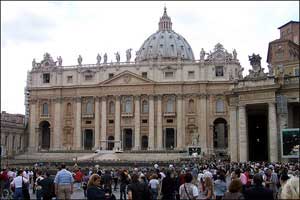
(170, 138)
(111, 144)
(45, 134)
(88, 139)
(127, 142)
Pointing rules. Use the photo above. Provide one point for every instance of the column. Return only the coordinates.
(233, 134)
(283, 123)
(57, 124)
(151, 122)
(137, 122)
(273, 137)
(97, 123)
(203, 123)
(179, 121)
(103, 123)
(117, 124)
(243, 140)
(159, 123)
(78, 134)
(33, 142)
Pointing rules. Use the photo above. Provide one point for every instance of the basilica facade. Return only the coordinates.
(166, 99)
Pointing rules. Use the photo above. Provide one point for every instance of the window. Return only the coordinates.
(191, 74)
(88, 122)
(279, 55)
(110, 75)
(145, 107)
(220, 106)
(169, 75)
(45, 109)
(169, 120)
(111, 121)
(88, 77)
(69, 79)
(296, 71)
(144, 121)
(170, 105)
(111, 107)
(89, 107)
(219, 71)
(191, 106)
(144, 74)
(128, 107)
(46, 78)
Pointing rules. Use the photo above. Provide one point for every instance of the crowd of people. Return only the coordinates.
(189, 180)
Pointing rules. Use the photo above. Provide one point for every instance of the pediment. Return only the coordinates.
(127, 78)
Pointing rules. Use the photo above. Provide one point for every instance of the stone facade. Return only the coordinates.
(13, 138)
(154, 103)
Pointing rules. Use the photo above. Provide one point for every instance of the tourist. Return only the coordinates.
(63, 183)
(291, 189)
(168, 187)
(17, 185)
(124, 181)
(37, 185)
(235, 190)
(220, 185)
(209, 188)
(271, 181)
(78, 178)
(137, 190)
(258, 191)
(94, 189)
(85, 181)
(48, 188)
(154, 186)
(283, 179)
(188, 190)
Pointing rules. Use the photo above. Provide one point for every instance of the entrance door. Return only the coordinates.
(258, 137)
(170, 138)
(88, 139)
(111, 144)
(144, 142)
(45, 131)
(127, 139)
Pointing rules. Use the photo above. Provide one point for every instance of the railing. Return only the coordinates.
(86, 115)
(169, 114)
(291, 80)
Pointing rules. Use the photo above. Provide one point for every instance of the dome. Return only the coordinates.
(165, 44)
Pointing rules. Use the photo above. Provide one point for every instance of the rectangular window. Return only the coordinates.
(144, 74)
(191, 74)
(69, 79)
(88, 77)
(144, 121)
(88, 122)
(111, 121)
(169, 120)
(110, 75)
(279, 55)
(46, 78)
(169, 75)
(219, 71)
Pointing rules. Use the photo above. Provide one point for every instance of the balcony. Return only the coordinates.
(127, 114)
(88, 115)
(291, 80)
(169, 114)
(45, 116)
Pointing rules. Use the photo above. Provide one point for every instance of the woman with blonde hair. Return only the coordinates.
(291, 189)
(94, 189)
(209, 188)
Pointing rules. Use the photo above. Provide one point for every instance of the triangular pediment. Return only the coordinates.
(127, 78)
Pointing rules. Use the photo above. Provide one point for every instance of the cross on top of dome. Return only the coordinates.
(165, 23)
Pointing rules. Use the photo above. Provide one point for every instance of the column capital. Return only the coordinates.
(97, 98)
(103, 98)
(180, 96)
(118, 97)
(202, 95)
(58, 99)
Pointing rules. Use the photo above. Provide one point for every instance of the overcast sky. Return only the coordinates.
(67, 29)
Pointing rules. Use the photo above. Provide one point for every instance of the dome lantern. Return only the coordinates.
(165, 23)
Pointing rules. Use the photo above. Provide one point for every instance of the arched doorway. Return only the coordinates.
(110, 144)
(144, 142)
(170, 138)
(45, 135)
(220, 137)
(127, 139)
(88, 139)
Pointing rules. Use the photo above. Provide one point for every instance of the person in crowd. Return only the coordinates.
(154, 186)
(124, 181)
(283, 179)
(85, 181)
(290, 190)
(271, 181)
(63, 183)
(258, 191)
(107, 180)
(17, 185)
(94, 189)
(37, 185)
(188, 190)
(209, 188)
(48, 188)
(78, 178)
(220, 185)
(137, 190)
(168, 187)
(235, 190)
(115, 178)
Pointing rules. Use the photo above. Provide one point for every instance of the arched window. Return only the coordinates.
(191, 106)
(219, 106)
(170, 105)
(128, 107)
(69, 108)
(45, 109)
(89, 107)
(111, 107)
(145, 108)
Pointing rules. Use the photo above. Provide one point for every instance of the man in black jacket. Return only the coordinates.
(258, 191)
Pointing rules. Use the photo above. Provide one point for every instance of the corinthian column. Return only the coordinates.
(233, 134)
(77, 137)
(117, 124)
(97, 123)
(57, 124)
(33, 140)
(179, 121)
(203, 122)
(243, 140)
(159, 122)
(273, 138)
(137, 123)
(103, 123)
(151, 122)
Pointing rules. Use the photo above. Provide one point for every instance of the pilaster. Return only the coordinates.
(273, 137)
(151, 122)
(243, 140)
(103, 123)
(97, 123)
(159, 122)
(117, 123)
(137, 123)
(77, 138)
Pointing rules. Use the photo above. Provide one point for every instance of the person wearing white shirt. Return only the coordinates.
(154, 186)
(188, 190)
(17, 185)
